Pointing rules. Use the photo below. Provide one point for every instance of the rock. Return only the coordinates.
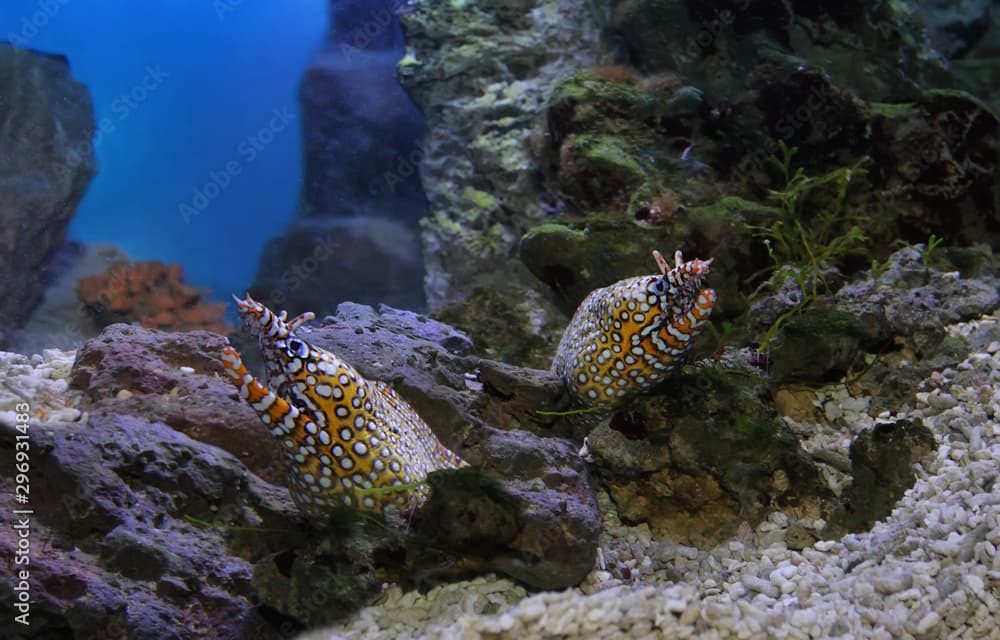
(479, 72)
(726, 48)
(360, 129)
(112, 500)
(806, 109)
(955, 27)
(978, 65)
(438, 371)
(320, 261)
(703, 455)
(60, 320)
(430, 364)
(560, 522)
(355, 234)
(147, 363)
(882, 468)
(48, 122)
(576, 258)
(516, 326)
(544, 525)
(817, 345)
(909, 305)
(941, 146)
(528, 399)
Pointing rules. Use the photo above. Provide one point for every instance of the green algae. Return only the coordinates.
(892, 109)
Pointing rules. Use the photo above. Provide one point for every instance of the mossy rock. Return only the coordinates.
(575, 261)
(331, 579)
(578, 257)
(816, 346)
(468, 511)
(882, 461)
(600, 170)
(582, 102)
(704, 455)
(941, 147)
(515, 326)
(615, 140)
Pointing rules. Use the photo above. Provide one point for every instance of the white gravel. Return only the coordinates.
(930, 570)
(42, 381)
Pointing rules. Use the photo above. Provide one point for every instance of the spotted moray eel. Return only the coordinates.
(627, 337)
(339, 431)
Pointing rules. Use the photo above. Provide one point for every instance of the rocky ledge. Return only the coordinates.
(160, 495)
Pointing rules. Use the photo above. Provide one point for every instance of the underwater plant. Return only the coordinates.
(813, 229)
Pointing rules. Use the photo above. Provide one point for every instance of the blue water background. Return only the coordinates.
(185, 92)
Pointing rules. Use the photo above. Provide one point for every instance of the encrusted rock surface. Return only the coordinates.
(140, 509)
(436, 369)
(702, 459)
(47, 122)
(929, 569)
(176, 379)
(907, 306)
(355, 234)
(113, 550)
(479, 71)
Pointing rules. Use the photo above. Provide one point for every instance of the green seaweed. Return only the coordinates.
(570, 412)
(804, 245)
(391, 489)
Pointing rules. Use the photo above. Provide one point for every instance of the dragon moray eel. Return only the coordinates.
(340, 432)
(626, 338)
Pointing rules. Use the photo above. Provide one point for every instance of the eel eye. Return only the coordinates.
(297, 348)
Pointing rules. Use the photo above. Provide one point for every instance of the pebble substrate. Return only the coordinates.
(930, 570)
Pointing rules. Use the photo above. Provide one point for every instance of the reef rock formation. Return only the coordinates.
(355, 235)
(154, 488)
(46, 125)
(643, 139)
(479, 72)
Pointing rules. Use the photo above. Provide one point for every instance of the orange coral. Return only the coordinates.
(152, 294)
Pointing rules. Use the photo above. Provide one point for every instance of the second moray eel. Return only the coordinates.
(627, 337)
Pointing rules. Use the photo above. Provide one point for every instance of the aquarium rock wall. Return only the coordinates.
(355, 235)
(777, 412)
(480, 73)
(46, 126)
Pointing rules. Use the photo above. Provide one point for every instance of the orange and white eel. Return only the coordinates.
(354, 442)
(349, 441)
(625, 338)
